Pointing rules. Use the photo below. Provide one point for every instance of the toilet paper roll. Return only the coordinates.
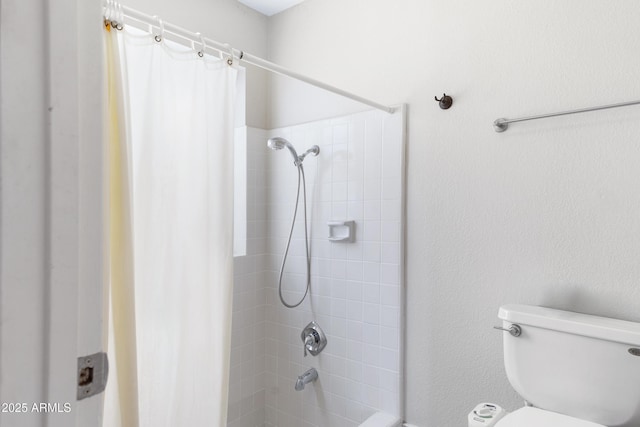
(382, 419)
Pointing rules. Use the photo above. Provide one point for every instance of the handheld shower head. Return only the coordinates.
(278, 143)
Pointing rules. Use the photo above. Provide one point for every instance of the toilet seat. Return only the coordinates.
(535, 417)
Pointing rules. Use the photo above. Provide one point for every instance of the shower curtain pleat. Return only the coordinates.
(181, 114)
(121, 397)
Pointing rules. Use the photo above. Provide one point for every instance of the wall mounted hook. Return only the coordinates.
(445, 102)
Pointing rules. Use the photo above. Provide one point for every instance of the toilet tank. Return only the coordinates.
(579, 365)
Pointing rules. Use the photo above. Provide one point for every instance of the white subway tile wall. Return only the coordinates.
(356, 288)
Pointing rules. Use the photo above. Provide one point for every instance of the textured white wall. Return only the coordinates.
(23, 207)
(546, 213)
(226, 21)
(50, 206)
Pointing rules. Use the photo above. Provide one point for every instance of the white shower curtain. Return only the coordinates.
(181, 113)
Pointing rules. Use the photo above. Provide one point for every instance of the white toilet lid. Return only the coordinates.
(534, 417)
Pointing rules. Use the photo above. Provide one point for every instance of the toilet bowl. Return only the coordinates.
(572, 369)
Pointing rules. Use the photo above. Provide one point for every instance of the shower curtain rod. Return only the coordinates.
(185, 37)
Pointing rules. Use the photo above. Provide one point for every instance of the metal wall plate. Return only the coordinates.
(93, 371)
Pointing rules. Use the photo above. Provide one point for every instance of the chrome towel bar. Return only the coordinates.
(500, 125)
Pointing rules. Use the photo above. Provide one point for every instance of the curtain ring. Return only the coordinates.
(120, 24)
(230, 57)
(203, 46)
(113, 14)
(158, 37)
(107, 13)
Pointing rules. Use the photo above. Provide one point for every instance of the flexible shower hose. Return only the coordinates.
(306, 240)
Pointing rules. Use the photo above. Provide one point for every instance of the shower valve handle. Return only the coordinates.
(309, 342)
(314, 340)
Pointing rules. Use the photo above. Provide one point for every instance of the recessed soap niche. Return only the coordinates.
(342, 231)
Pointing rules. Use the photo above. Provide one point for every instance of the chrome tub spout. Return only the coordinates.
(308, 376)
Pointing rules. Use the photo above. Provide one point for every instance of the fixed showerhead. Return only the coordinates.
(278, 143)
